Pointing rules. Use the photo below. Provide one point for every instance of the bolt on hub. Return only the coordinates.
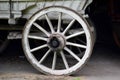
(56, 42)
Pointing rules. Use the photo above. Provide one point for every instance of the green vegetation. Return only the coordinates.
(77, 78)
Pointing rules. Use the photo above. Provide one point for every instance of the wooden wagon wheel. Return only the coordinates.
(116, 38)
(3, 40)
(57, 40)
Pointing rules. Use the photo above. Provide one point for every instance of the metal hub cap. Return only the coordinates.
(56, 42)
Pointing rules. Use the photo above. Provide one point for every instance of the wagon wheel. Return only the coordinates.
(116, 38)
(54, 42)
(3, 40)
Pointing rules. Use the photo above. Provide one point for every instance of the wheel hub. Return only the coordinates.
(56, 42)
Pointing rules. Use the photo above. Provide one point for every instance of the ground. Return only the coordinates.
(104, 64)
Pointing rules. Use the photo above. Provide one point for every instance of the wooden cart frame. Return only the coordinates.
(58, 37)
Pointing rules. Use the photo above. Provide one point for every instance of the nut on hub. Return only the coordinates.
(56, 42)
